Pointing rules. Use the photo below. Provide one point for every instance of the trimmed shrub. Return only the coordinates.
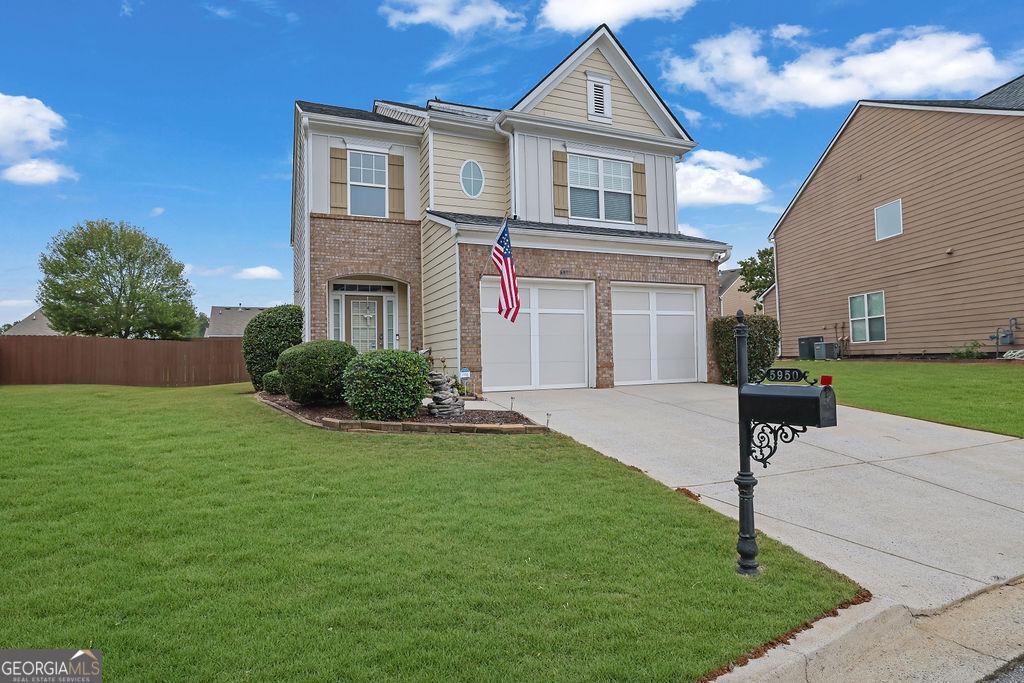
(386, 384)
(762, 344)
(314, 372)
(268, 334)
(273, 383)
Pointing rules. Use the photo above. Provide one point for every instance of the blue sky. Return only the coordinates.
(176, 115)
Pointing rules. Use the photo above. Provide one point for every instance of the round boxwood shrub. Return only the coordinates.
(313, 372)
(268, 334)
(762, 344)
(386, 384)
(273, 383)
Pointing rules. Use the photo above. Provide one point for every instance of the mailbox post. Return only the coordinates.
(769, 415)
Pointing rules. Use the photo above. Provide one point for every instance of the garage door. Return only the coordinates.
(546, 348)
(655, 333)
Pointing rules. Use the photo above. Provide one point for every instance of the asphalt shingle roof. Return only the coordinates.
(726, 278)
(1009, 96)
(495, 221)
(346, 112)
(35, 324)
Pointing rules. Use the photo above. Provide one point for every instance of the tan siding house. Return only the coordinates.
(730, 298)
(396, 211)
(908, 236)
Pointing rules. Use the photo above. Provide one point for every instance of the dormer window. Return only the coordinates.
(599, 97)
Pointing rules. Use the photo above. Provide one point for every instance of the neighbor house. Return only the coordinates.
(730, 298)
(230, 321)
(34, 324)
(395, 211)
(907, 237)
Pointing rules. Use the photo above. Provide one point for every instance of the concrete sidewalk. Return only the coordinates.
(919, 513)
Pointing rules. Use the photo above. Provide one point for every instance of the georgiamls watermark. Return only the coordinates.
(51, 666)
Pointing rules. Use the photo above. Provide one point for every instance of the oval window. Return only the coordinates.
(472, 177)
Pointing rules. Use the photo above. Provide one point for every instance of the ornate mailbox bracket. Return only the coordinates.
(765, 439)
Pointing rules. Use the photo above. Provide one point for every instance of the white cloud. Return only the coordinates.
(205, 271)
(454, 16)
(259, 273)
(734, 73)
(157, 211)
(37, 172)
(710, 178)
(692, 116)
(574, 16)
(16, 303)
(220, 12)
(127, 9)
(691, 231)
(789, 32)
(770, 208)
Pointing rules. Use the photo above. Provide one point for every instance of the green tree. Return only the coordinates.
(202, 322)
(5, 327)
(757, 274)
(106, 279)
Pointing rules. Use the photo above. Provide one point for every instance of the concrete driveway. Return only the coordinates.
(917, 512)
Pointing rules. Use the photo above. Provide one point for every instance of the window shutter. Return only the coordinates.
(396, 186)
(639, 194)
(560, 182)
(339, 179)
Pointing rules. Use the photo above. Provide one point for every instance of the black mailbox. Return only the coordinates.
(805, 406)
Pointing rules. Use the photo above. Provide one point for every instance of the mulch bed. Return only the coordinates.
(343, 412)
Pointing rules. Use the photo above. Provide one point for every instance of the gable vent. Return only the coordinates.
(599, 97)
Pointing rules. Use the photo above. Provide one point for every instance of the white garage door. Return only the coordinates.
(655, 333)
(547, 347)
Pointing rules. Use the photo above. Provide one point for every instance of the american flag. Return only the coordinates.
(501, 254)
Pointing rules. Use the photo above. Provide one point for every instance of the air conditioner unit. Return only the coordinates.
(806, 345)
(826, 350)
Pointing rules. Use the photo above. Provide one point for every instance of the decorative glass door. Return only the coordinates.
(363, 324)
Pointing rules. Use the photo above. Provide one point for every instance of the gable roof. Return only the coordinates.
(35, 323)
(627, 70)
(230, 321)
(1007, 99)
(726, 279)
(347, 112)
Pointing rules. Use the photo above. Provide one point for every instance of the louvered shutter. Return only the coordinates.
(339, 179)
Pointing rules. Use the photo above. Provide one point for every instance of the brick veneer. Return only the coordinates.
(350, 246)
(603, 269)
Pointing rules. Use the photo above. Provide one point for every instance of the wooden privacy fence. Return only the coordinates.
(132, 362)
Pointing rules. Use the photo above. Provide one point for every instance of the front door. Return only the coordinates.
(364, 326)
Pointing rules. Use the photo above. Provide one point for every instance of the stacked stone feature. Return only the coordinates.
(445, 400)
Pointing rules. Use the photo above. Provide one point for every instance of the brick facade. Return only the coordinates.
(603, 269)
(353, 246)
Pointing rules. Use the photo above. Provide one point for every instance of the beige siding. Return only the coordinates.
(424, 173)
(450, 151)
(734, 300)
(299, 217)
(955, 273)
(440, 294)
(568, 100)
(401, 114)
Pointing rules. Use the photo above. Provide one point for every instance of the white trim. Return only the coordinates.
(534, 311)
(598, 151)
(882, 206)
(430, 168)
(307, 332)
(393, 296)
(867, 318)
(557, 129)
(349, 182)
(623, 67)
(360, 126)
(601, 190)
(957, 110)
(458, 303)
(483, 178)
(595, 80)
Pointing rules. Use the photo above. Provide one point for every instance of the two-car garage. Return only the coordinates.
(657, 335)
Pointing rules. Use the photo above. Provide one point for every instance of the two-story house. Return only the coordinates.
(907, 237)
(395, 211)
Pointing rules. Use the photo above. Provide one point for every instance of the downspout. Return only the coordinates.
(778, 308)
(511, 164)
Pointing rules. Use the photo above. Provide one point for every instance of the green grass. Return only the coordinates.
(194, 534)
(984, 396)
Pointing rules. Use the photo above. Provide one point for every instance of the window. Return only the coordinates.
(867, 317)
(472, 178)
(889, 220)
(600, 188)
(367, 184)
(599, 97)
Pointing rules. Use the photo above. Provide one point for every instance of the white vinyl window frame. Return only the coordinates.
(599, 97)
(601, 189)
(867, 318)
(899, 231)
(348, 187)
(483, 178)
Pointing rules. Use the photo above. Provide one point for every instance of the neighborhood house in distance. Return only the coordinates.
(35, 324)
(732, 299)
(908, 235)
(230, 321)
(394, 212)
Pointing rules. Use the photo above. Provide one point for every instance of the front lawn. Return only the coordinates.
(194, 534)
(986, 396)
